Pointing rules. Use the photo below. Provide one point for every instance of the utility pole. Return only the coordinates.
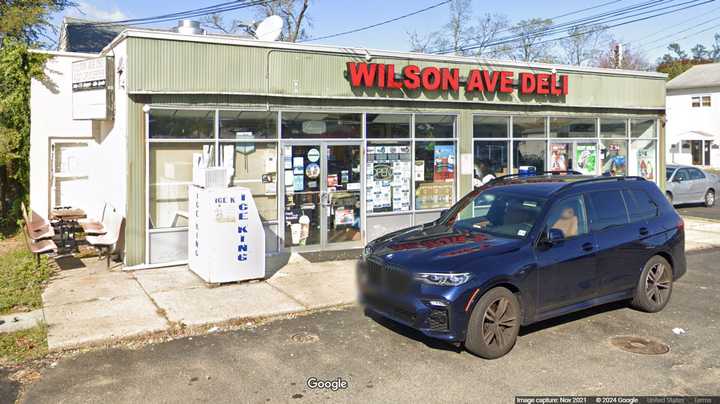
(618, 55)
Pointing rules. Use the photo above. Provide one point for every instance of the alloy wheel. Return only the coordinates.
(499, 318)
(657, 284)
(710, 198)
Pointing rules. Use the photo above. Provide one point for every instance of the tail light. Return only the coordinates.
(681, 224)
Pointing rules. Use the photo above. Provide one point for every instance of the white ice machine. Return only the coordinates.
(226, 238)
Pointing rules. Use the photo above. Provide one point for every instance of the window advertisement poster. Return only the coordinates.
(586, 158)
(558, 157)
(389, 172)
(444, 163)
(646, 167)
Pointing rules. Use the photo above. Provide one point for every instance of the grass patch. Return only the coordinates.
(22, 346)
(21, 280)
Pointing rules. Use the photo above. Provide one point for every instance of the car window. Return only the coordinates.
(696, 174)
(668, 173)
(499, 213)
(607, 209)
(682, 175)
(640, 205)
(569, 216)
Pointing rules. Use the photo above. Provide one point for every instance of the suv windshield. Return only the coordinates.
(497, 212)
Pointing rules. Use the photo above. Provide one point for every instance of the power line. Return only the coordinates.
(693, 18)
(713, 19)
(199, 12)
(561, 27)
(553, 30)
(687, 36)
(620, 24)
(352, 31)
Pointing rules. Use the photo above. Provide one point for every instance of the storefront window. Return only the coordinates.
(572, 127)
(170, 175)
(643, 128)
(529, 155)
(529, 127)
(181, 124)
(491, 156)
(434, 174)
(388, 177)
(434, 126)
(490, 126)
(613, 157)
(253, 165)
(387, 125)
(573, 156)
(241, 125)
(613, 128)
(643, 159)
(319, 125)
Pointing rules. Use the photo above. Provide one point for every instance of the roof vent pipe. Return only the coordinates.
(189, 27)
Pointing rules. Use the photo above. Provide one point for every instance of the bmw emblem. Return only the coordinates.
(389, 257)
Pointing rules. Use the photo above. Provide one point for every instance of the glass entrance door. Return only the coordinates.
(322, 186)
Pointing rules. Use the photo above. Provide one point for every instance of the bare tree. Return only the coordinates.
(422, 43)
(584, 44)
(488, 27)
(529, 46)
(458, 29)
(631, 59)
(217, 22)
(294, 12)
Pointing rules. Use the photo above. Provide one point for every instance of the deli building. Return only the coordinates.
(338, 145)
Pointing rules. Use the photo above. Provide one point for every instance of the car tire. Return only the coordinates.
(494, 324)
(655, 286)
(709, 198)
(669, 197)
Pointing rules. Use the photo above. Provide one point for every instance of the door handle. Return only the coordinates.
(644, 231)
(588, 247)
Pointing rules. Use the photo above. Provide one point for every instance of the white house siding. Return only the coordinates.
(683, 118)
(51, 120)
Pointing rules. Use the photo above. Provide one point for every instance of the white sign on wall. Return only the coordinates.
(92, 89)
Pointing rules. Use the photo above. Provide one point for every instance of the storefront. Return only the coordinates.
(340, 146)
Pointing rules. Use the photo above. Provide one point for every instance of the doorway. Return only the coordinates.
(322, 186)
(69, 181)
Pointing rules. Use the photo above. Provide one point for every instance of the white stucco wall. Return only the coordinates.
(682, 118)
(51, 120)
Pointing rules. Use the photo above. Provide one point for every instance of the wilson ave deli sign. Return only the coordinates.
(411, 77)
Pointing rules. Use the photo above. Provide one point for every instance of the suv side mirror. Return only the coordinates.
(555, 235)
(552, 237)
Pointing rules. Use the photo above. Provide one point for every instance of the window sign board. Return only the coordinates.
(92, 89)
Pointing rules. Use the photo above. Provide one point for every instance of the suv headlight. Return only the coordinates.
(443, 279)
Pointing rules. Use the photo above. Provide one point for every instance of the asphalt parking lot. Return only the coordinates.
(382, 362)
(699, 210)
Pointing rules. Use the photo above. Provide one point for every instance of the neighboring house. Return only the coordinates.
(693, 117)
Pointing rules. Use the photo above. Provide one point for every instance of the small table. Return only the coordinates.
(66, 219)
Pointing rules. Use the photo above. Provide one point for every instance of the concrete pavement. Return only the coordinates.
(92, 305)
(384, 363)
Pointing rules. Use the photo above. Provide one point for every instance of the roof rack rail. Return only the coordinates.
(535, 174)
(603, 178)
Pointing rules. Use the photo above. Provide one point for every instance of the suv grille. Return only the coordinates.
(394, 310)
(437, 320)
(388, 277)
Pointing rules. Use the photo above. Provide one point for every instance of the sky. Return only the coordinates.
(332, 16)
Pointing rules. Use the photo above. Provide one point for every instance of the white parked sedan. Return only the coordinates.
(687, 184)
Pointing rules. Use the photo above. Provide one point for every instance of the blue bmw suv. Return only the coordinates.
(524, 249)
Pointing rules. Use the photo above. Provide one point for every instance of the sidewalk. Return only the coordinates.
(701, 234)
(91, 305)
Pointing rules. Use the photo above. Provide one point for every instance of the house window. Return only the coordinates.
(701, 101)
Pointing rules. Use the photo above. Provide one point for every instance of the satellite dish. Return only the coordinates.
(269, 29)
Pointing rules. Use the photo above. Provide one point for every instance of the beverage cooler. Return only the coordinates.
(226, 237)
